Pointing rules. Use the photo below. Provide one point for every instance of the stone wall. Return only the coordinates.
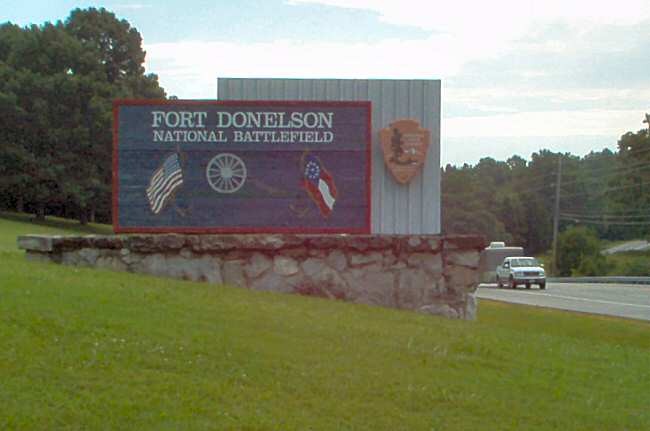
(431, 274)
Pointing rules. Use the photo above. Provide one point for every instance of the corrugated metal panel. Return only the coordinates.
(396, 209)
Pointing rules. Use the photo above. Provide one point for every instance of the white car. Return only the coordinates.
(515, 271)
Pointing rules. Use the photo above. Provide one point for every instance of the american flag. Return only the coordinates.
(164, 181)
(320, 185)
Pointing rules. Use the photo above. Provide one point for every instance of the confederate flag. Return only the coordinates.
(320, 185)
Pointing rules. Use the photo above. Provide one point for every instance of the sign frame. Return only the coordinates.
(118, 229)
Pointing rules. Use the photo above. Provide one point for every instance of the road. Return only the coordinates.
(622, 300)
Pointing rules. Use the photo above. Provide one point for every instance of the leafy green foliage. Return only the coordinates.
(579, 253)
(57, 83)
(633, 263)
(595, 265)
(513, 201)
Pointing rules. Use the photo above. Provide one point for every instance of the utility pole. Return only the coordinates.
(556, 214)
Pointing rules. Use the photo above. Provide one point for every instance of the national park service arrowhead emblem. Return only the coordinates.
(405, 146)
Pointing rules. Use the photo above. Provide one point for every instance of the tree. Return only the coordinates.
(57, 84)
(579, 253)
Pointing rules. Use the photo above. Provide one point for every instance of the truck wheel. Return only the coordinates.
(512, 283)
(527, 285)
(499, 285)
(542, 286)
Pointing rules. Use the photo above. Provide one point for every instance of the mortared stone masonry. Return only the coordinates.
(428, 273)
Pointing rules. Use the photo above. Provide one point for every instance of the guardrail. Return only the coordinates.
(611, 280)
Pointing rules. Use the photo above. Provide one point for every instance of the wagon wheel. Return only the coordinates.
(226, 173)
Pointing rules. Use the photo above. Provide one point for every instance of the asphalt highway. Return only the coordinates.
(622, 300)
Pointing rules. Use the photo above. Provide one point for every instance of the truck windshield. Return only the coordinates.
(525, 262)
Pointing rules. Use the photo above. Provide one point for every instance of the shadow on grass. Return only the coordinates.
(73, 226)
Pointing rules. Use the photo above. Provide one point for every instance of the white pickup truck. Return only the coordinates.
(520, 270)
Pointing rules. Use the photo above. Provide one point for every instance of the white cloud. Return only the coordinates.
(484, 28)
(190, 69)
(131, 6)
(427, 14)
(504, 96)
(545, 123)
(460, 34)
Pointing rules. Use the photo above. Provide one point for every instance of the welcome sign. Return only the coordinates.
(241, 166)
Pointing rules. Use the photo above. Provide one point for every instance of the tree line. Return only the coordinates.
(606, 192)
(58, 81)
(57, 84)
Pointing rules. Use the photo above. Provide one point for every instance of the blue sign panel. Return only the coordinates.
(241, 166)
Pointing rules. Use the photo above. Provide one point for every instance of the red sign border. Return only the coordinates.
(239, 230)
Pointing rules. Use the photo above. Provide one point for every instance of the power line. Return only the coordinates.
(606, 217)
(606, 190)
(613, 172)
(534, 177)
(534, 189)
(612, 214)
(516, 191)
(608, 223)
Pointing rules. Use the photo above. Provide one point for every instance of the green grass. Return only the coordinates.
(14, 224)
(631, 263)
(90, 349)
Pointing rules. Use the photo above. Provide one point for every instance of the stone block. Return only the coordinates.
(153, 264)
(430, 262)
(468, 258)
(207, 268)
(204, 268)
(259, 242)
(186, 253)
(389, 259)
(71, 258)
(326, 283)
(324, 242)
(375, 288)
(285, 265)
(434, 244)
(337, 260)
(257, 264)
(37, 242)
(360, 259)
(406, 271)
(211, 243)
(412, 284)
(298, 253)
(357, 242)
(273, 282)
(88, 255)
(37, 256)
(110, 261)
(169, 242)
(233, 273)
(471, 304)
(378, 242)
(109, 242)
(313, 266)
(444, 310)
(461, 279)
(155, 243)
(130, 258)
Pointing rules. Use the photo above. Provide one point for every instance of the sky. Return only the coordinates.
(517, 75)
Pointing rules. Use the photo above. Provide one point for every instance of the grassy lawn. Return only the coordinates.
(14, 224)
(89, 349)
